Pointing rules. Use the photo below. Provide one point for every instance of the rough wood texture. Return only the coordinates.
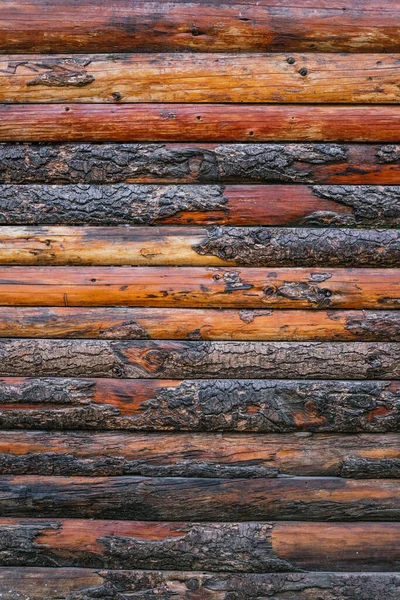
(210, 287)
(173, 78)
(300, 205)
(263, 406)
(204, 163)
(177, 360)
(194, 246)
(199, 324)
(199, 455)
(199, 25)
(201, 499)
(242, 547)
(198, 123)
(88, 584)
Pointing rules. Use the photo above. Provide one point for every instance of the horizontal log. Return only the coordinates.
(199, 324)
(199, 455)
(75, 584)
(199, 25)
(201, 499)
(194, 246)
(262, 406)
(300, 205)
(211, 287)
(230, 547)
(203, 163)
(185, 78)
(178, 360)
(198, 123)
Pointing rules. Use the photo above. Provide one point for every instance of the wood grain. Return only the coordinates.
(199, 455)
(198, 123)
(252, 405)
(208, 287)
(188, 78)
(199, 324)
(75, 584)
(130, 204)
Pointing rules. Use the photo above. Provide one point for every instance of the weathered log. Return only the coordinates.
(203, 163)
(263, 406)
(188, 78)
(200, 499)
(300, 205)
(178, 360)
(199, 123)
(89, 584)
(196, 287)
(230, 547)
(199, 324)
(206, 25)
(194, 246)
(199, 455)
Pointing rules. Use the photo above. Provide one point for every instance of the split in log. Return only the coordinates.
(300, 205)
(201, 78)
(200, 455)
(197, 287)
(230, 547)
(178, 360)
(262, 406)
(203, 163)
(199, 324)
(88, 584)
(194, 246)
(199, 123)
(199, 25)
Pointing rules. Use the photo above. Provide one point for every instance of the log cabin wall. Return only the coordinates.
(199, 300)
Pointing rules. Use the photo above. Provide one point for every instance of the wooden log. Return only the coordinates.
(198, 123)
(229, 547)
(200, 499)
(200, 455)
(300, 205)
(200, 287)
(262, 406)
(178, 360)
(199, 324)
(203, 163)
(188, 78)
(194, 246)
(199, 25)
(89, 584)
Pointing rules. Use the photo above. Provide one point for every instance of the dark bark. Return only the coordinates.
(88, 584)
(192, 163)
(221, 405)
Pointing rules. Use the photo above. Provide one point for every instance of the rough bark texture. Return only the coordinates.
(199, 123)
(199, 324)
(201, 455)
(204, 287)
(164, 359)
(87, 584)
(300, 205)
(279, 163)
(221, 405)
(204, 78)
(242, 547)
(202, 499)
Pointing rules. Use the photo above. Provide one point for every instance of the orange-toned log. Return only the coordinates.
(199, 455)
(198, 123)
(252, 405)
(212, 287)
(258, 78)
(199, 324)
(202, 25)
